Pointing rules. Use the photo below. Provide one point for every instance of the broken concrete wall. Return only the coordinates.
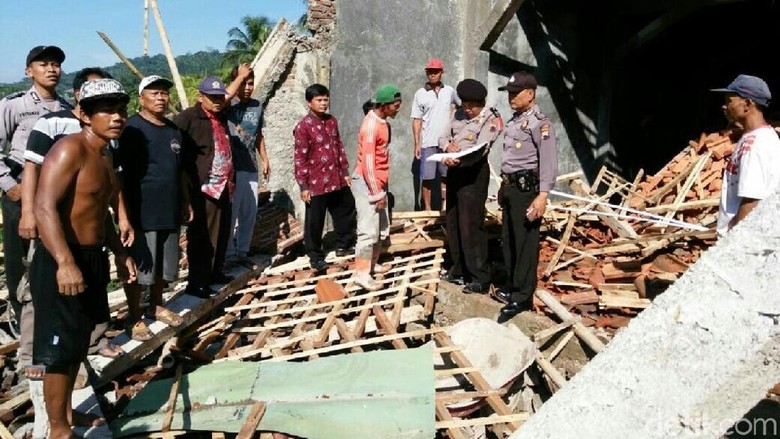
(389, 41)
(693, 363)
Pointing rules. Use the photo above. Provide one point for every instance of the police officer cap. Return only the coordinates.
(519, 81)
(471, 90)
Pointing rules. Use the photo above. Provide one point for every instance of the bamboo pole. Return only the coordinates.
(169, 55)
(582, 332)
(121, 55)
(146, 27)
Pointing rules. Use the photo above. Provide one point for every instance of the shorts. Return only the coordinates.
(156, 256)
(63, 324)
(428, 168)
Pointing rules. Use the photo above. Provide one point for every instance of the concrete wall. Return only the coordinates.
(286, 105)
(389, 41)
(380, 41)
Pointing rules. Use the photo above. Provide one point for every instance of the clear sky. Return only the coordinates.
(192, 25)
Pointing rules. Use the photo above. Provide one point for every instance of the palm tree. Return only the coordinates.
(245, 43)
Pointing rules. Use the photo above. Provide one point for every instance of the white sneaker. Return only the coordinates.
(365, 281)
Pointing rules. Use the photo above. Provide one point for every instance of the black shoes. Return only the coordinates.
(345, 251)
(512, 309)
(200, 292)
(503, 295)
(319, 265)
(476, 287)
(451, 278)
(221, 278)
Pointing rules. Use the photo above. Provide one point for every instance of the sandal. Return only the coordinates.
(108, 349)
(140, 332)
(167, 316)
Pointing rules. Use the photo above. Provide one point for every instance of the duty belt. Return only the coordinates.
(525, 179)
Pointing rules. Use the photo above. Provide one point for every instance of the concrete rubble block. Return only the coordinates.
(696, 361)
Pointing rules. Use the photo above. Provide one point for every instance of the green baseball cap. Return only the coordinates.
(387, 94)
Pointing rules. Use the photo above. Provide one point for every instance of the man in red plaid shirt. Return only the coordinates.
(322, 173)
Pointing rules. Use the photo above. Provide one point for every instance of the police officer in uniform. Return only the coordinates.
(467, 186)
(529, 166)
(18, 113)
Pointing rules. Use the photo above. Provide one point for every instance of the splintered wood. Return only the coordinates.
(281, 317)
(608, 265)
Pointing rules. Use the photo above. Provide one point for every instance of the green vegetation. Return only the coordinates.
(245, 43)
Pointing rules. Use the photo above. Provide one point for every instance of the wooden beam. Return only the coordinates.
(582, 332)
(185, 103)
(494, 24)
(166, 427)
(252, 421)
(121, 55)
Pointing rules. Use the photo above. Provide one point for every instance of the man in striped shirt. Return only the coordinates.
(369, 185)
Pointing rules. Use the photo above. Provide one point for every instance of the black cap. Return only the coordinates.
(519, 81)
(471, 90)
(40, 52)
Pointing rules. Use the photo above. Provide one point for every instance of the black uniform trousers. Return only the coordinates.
(341, 205)
(468, 245)
(520, 243)
(14, 249)
(207, 237)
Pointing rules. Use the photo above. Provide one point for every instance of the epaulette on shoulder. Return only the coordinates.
(15, 95)
(495, 112)
(541, 116)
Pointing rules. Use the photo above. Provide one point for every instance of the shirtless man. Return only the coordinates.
(70, 272)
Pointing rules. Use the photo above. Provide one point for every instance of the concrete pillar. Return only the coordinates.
(693, 363)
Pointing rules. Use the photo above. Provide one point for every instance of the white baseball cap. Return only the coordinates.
(153, 79)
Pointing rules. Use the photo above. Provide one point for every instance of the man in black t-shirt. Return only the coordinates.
(149, 155)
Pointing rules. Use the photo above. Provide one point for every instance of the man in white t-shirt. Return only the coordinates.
(432, 110)
(753, 171)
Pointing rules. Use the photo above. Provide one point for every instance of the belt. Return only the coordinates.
(509, 177)
(525, 179)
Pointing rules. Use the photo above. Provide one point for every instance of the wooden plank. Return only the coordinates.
(549, 332)
(249, 427)
(459, 395)
(513, 418)
(443, 415)
(423, 214)
(9, 347)
(610, 301)
(166, 426)
(371, 341)
(658, 194)
(562, 246)
(559, 347)
(683, 192)
(347, 335)
(4, 433)
(389, 327)
(476, 378)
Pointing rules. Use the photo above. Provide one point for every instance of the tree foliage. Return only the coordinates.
(244, 43)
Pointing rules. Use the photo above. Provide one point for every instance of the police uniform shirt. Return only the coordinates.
(529, 143)
(467, 133)
(18, 114)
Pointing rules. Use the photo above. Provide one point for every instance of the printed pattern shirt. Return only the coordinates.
(321, 164)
